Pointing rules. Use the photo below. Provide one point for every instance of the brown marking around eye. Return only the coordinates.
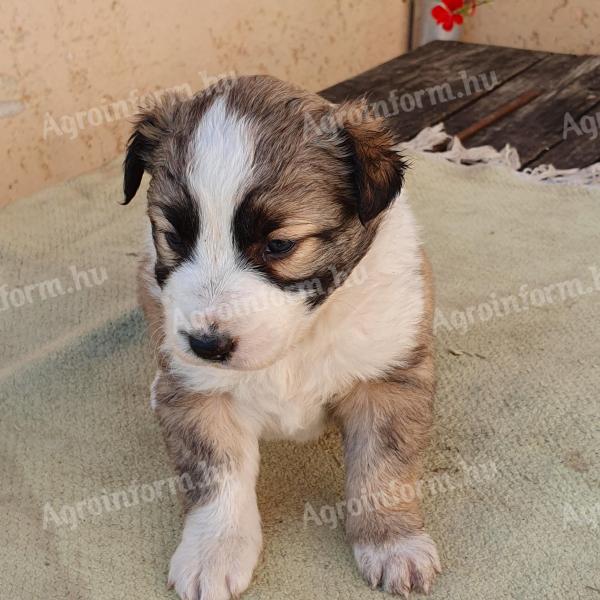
(160, 227)
(295, 231)
(300, 262)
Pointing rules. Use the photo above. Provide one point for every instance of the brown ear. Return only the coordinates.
(377, 169)
(151, 127)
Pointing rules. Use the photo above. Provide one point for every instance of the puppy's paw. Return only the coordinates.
(220, 573)
(214, 568)
(404, 565)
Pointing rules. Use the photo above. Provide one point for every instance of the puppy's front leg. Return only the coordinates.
(385, 426)
(217, 459)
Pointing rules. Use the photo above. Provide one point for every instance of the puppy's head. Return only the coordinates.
(263, 198)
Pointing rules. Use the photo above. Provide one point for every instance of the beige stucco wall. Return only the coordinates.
(64, 62)
(570, 26)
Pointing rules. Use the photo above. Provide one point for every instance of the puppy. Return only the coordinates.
(285, 285)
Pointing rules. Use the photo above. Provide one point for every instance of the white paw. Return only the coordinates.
(214, 568)
(399, 567)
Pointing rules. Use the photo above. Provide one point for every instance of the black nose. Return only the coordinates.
(211, 347)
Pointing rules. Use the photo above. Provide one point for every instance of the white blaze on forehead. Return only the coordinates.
(221, 160)
(219, 171)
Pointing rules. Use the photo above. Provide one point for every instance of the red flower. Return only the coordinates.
(454, 4)
(445, 15)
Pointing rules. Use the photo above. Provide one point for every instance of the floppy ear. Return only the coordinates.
(134, 165)
(377, 169)
(151, 127)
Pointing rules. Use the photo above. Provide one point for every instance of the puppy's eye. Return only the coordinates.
(174, 241)
(278, 248)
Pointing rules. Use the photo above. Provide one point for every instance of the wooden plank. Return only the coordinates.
(428, 83)
(544, 75)
(575, 149)
(399, 70)
(500, 113)
(568, 84)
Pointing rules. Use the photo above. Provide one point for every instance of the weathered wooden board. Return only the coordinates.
(569, 84)
(426, 86)
(430, 84)
(579, 145)
(544, 76)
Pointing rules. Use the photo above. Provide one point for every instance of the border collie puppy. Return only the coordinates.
(285, 286)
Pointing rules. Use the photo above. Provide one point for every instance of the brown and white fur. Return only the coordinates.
(234, 169)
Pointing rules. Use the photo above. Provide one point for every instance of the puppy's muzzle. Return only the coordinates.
(214, 347)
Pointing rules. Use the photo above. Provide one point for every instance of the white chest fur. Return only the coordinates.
(367, 325)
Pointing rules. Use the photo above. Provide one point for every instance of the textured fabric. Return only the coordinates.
(512, 481)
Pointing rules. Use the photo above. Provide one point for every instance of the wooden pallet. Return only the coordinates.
(521, 97)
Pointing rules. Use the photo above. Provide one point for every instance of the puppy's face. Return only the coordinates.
(257, 214)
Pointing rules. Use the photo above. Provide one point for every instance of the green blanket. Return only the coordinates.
(88, 503)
